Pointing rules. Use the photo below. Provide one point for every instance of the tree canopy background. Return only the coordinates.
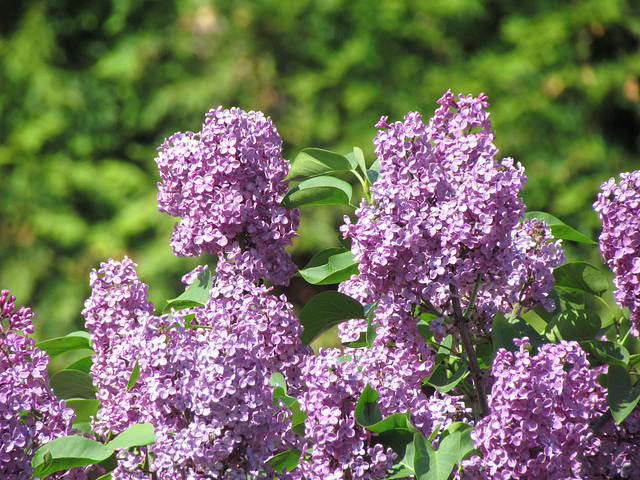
(89, 90)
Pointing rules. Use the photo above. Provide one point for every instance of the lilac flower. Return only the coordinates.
(397, 365)
(204, 374)
(225, 183)
(339, 443)
(30, 413)
(541, 407)
(445, 213)
(618, 207)
(118, 306)
(211, 403)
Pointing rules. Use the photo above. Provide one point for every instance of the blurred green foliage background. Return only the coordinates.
(89, 90)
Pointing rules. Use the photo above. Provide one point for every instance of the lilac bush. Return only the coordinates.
(469, 349)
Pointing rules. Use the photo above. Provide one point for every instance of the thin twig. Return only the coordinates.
(467, 347)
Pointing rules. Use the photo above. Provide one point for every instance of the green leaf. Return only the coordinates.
(502, 334)
(298, 417)
(374, 172)
(287, 460)
(83, 365)
(444, 351)
(543, 313)
(581, 276)
(135, 374)
(430, 464)
(72, 451)
(524, 329)
(195, 296)
(442, 379)
(312, 162)
(609, 353)
(484, 352)
(73, 384)
(371, 332)
(333, 265)
(136, 435)
(84, 427)
(399, 471)
(67, 452)
(463, 443)
(395, 431)
(623, 397)
(326, 310)
(73, 341)
(571, 295)
(277, 380)
(319, 191)
(367, 411)
(578, 325)
(85, 408)
(559, 229)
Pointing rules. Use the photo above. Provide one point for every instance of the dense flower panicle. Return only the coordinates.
(117, 308)
(541, 407)
(226, 184)
(30, 413)
(444, 213)
(339, 443)
(618, 207)
(204, 373)
(210, 400)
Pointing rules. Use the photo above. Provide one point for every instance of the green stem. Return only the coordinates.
(365, 185)
(625, 337)
(433, 310)
(474, 296)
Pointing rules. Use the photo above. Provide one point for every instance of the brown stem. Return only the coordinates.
(467, 347)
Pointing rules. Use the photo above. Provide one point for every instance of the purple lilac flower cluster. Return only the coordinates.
(118, 306)
(341, 448)
(225, 183)
(30, 413)
(618, 207)
(541, 407)
(236, 304)
(210, 400)
(444, 213)
(204, 373)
